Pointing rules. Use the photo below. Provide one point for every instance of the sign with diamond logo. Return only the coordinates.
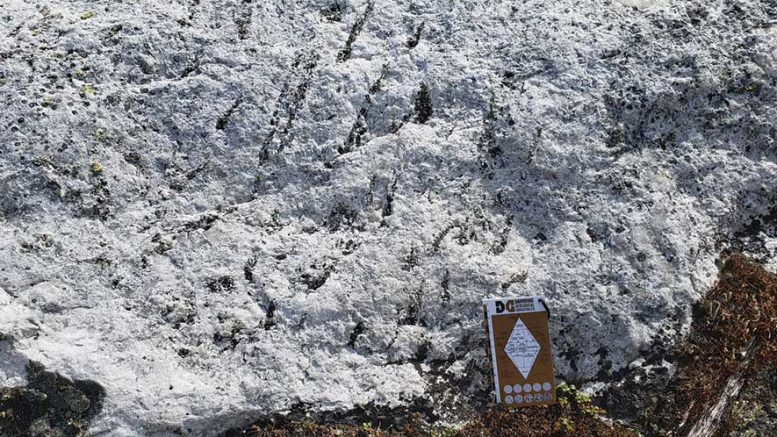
(520, 350)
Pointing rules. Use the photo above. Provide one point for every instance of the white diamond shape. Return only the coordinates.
(522, 348)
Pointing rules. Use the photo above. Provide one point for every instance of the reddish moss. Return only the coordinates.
(737, 317)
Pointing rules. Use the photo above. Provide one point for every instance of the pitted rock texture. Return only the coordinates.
(223, 210)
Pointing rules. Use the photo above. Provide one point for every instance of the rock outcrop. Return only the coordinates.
(223, 210)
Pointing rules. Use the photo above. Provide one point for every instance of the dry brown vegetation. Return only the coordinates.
(736, 320)
(575, 414)
(733, 336)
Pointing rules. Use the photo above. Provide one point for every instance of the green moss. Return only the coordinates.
(444, 432)
(582, 398)
(565, 389)
(566, 424)
(87, 15)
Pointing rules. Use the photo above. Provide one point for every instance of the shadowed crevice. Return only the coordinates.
(50, 405)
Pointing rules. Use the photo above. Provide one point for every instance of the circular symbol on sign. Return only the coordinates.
(527, 388)
(548, 397)
(537, 386)
(509, 399)
(508, 389)
(528, 399)
(517, 388)
(519, 398)
(546, 386)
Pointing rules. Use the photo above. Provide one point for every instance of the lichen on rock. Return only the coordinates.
(50, 405)
(301, 204)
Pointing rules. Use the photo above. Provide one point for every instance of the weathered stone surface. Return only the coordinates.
(49, 405)
(222, 210)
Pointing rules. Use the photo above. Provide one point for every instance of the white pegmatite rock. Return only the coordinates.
(224, 210)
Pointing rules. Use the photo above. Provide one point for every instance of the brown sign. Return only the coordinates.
(520, 351)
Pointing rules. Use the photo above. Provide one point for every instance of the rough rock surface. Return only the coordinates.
(222, 210)
(48, 405)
